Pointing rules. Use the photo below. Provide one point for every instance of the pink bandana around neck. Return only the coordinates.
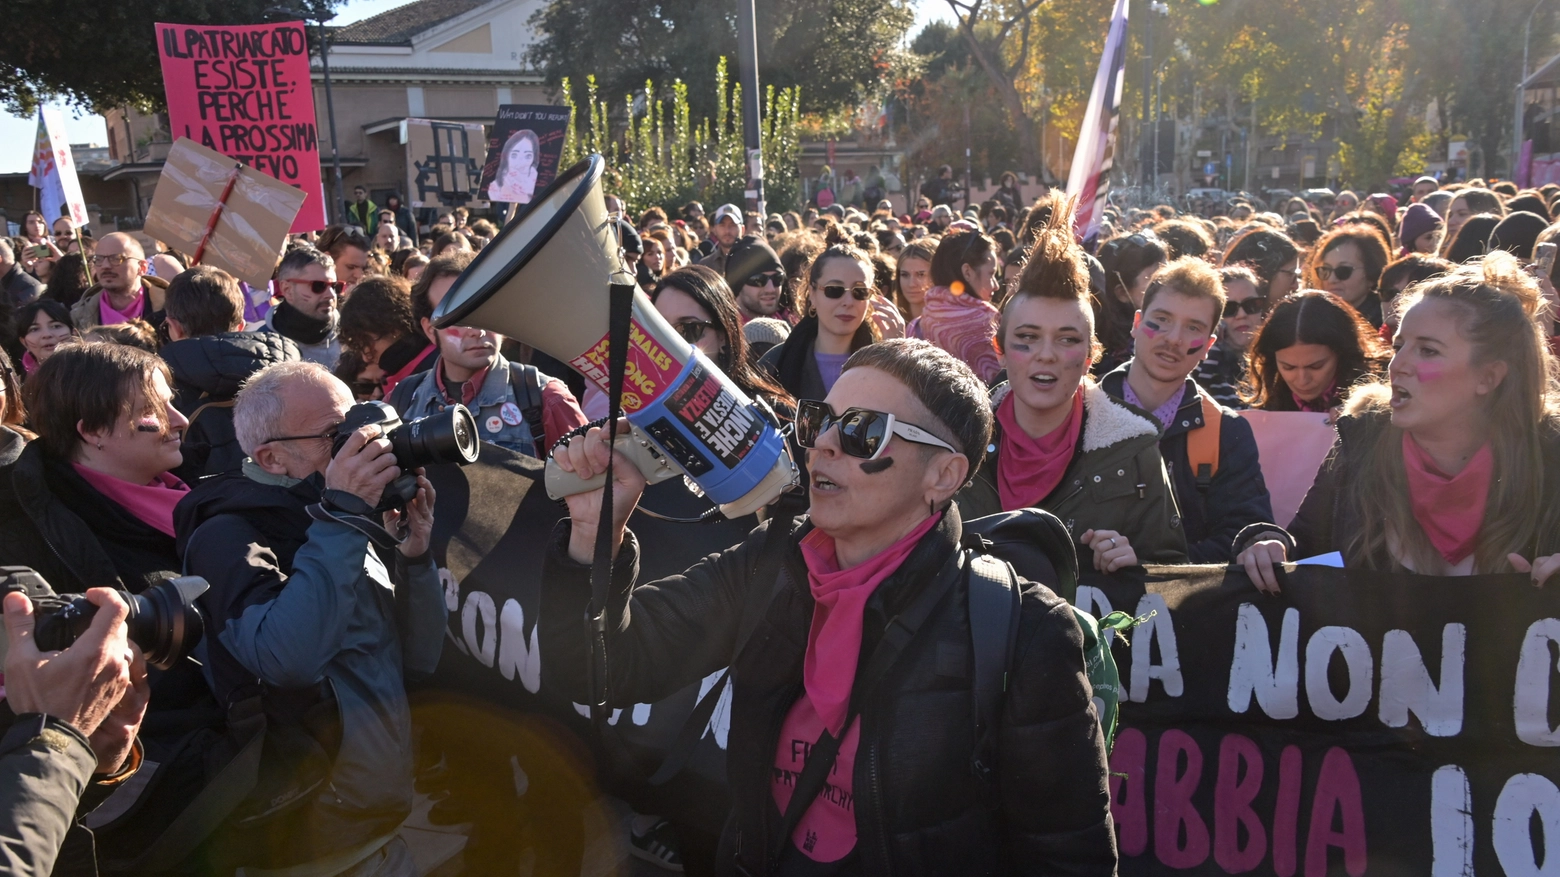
(834, 642)
(110, 317)
(152, 503)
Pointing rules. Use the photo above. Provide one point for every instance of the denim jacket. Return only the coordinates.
(499, 407)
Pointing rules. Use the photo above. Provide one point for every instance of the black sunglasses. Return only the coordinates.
(776, 277)
(692, 330)
(838, 290)
(864, 433)
(1328, 272)
(1257, 304)
(318, 287)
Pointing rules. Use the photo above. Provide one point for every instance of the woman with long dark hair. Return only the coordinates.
(515, 180)
(39, 328)
(700, 306)
(1272, 255)
(959, 316)
(68, 282)
(1308, 354)
(1444, 466)
(1129, 262)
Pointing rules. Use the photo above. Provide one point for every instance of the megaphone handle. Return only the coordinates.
(638, 450)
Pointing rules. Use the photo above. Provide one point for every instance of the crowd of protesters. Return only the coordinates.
(161, 419)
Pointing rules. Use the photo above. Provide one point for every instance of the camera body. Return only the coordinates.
(450, 436)
(164, 620)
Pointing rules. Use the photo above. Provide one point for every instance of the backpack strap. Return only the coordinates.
(195, 415)
(993, 593)
(1202, 443)
(766, 579)
(527, 383)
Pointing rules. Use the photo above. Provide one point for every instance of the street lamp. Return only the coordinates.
(1516, 128)
(319, 14)
(1155, 8)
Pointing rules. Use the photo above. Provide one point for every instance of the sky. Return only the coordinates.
(17, 135)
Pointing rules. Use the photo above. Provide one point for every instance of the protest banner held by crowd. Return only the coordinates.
(946, 528)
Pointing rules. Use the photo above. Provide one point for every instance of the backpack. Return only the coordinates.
(1202, 443)
(1033, 540)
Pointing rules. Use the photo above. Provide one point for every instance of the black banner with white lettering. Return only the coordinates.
(492, 524)
(1358, 724)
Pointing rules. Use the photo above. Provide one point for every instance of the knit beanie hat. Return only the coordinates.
(1417, 221)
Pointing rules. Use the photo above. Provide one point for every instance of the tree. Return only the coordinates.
(1002, 37)
(837, 51)
(101, 55)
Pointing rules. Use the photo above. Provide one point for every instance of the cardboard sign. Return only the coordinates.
(253, 220)
(523, 149)
(441, 163)
(246, 93)
(1293, 445)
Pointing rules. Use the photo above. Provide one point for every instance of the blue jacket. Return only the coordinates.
(1237, 496)
(295, 601)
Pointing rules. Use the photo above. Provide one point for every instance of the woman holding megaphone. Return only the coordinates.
(811, 619)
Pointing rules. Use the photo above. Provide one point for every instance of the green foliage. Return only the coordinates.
(657, 154)
(100, 55)
(833, 52)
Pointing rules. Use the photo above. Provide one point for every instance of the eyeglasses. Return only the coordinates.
(692, 331)
(864, 433)
(775, 277)
(838, 290)
(1257, 304)
(318, 287)
(327, 434)
(1328, 272)
(114, 259)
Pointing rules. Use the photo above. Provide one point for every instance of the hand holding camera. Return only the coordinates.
(364, 466)
(91, 684)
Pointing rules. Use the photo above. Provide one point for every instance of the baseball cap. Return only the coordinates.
(731, 211)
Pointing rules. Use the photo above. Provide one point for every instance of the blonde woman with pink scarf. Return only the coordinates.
(959, 316)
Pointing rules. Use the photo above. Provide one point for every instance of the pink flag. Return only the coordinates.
(1292, 445)
(1089, 179)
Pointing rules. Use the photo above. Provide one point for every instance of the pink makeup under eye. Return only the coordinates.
(1151, 328)
(1429, 373)
(453, 333)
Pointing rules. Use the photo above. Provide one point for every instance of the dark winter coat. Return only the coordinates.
(1211, 515)
(207, 372)
(920, 808)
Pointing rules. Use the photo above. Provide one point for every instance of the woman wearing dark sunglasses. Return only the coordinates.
(836, 301)
(1347, 262)
(1060, 442)
(897, 436)
(699, 305)
(1223, 371)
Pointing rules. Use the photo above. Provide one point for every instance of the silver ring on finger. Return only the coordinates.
(1112, 542)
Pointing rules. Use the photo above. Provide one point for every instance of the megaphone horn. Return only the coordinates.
(544, 281)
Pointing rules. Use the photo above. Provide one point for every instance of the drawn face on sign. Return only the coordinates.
(521, 156)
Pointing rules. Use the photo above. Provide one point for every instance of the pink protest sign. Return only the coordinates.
(1293, 445)
(245, 92)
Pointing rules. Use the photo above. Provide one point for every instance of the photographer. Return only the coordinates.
(303, 608)
(74, 738)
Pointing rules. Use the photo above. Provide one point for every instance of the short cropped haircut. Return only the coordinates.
(944, 384)
(93, 384)
(444, 266)
(206, 301)
(1192, 277)
(379, 307)
(299, 258)
(1185, 237)
(258, 409)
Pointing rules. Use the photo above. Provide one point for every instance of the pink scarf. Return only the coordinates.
(1028, 469)
(964, 326)
(30, 363)
(152, 503)
(834, 642)
(1450, 509)
(110, 317)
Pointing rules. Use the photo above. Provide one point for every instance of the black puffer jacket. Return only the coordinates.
(920, 808)
(207, 372)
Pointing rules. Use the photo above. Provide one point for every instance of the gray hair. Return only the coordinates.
(259, 408)
(300, 257)
(943, 383)
(6, 253)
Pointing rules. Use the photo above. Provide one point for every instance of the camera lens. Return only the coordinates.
(449, 436)
(163, 621)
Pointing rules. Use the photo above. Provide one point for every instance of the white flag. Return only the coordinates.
(54, 171)
(1089, 179)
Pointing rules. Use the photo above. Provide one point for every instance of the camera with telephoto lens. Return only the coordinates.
(163, 619)
(450, 436)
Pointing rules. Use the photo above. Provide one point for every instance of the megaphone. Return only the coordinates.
(545, 280)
